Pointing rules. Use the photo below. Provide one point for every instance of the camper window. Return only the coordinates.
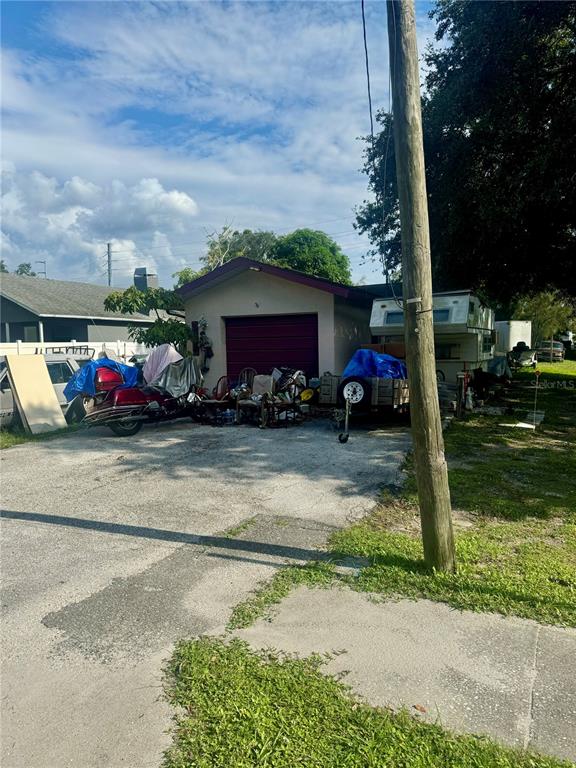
(447, 351)
(487, 344)
(441, 315)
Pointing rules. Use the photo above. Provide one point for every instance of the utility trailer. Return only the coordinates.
(373, 393)
(510, 332)
(364, 394)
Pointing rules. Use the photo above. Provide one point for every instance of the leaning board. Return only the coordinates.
(34, 393)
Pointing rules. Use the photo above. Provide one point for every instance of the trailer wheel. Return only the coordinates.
(355, 390)
(343, 437)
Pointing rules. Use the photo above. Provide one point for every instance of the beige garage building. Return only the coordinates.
(262, 316)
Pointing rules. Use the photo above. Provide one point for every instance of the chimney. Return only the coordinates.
(144, 278)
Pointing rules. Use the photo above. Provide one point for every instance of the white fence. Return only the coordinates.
(122, 349)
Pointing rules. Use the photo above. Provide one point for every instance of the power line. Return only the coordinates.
(172, 245)
(142, 255)
(367, 73)
(372, 139)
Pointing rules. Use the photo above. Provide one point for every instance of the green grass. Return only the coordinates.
(525, 569)
(514, 501)
(273, 591)
(565, 368)
(240, 709)
(510, 473)
(16, 436)
(12, 437)
(231, 533)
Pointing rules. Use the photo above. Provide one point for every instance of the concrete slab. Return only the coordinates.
(554, 697)
(112, 550)
(471, 672)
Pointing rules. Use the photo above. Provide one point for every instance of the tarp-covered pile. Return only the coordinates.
(82, 382)
(367, 363)
(157, 362)
(165, 369)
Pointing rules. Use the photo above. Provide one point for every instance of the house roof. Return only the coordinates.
(394, 291)
(61, 298)
(242, 264)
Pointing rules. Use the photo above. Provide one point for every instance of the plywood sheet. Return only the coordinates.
(34, 393)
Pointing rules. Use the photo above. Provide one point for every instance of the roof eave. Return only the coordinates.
(243, 264)
(112, 318)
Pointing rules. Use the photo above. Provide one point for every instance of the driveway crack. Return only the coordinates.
(532, 684)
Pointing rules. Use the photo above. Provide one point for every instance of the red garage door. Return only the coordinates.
(264, 342)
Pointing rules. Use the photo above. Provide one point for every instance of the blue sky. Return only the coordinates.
(152, 124)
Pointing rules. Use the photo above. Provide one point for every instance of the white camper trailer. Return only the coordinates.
(464, 334)
(510, 332)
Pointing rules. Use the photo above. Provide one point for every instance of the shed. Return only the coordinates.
(262, 316)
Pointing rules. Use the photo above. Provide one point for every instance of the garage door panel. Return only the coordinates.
(298, 345)
(264, 363)
(272, 333)
(267, 341)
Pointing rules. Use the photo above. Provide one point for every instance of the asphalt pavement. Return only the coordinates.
(112, 549)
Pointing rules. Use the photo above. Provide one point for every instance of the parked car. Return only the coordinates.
(550, 351)
(60, 370)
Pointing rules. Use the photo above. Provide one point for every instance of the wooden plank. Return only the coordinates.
(34, 393)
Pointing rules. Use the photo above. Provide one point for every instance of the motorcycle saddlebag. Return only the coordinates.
(128, 396)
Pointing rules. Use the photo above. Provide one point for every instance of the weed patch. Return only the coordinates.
(243, 709)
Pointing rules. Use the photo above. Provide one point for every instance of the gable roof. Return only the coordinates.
(241, 264)
(61, 298)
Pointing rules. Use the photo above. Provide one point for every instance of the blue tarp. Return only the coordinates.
(366, 362)
(82, 382)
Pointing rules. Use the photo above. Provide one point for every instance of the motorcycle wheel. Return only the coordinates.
(126, 428)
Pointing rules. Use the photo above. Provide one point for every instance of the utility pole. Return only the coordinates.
(109, 255)
(430, 464)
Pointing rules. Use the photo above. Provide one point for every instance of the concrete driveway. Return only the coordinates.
(111, 551)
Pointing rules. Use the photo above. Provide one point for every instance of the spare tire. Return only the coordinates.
(356, 389)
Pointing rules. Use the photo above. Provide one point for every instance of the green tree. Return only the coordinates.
(164, 330)
(550, 311)
(25, 269)
(186, 275)
(500, 143)
(305, 250)
(3, 267)
(379, 217)
(229, 244)
(313, 252)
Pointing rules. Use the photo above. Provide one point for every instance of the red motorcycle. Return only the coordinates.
(125, 409)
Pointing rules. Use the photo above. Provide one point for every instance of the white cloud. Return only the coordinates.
(70, 222)
(172, 118)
